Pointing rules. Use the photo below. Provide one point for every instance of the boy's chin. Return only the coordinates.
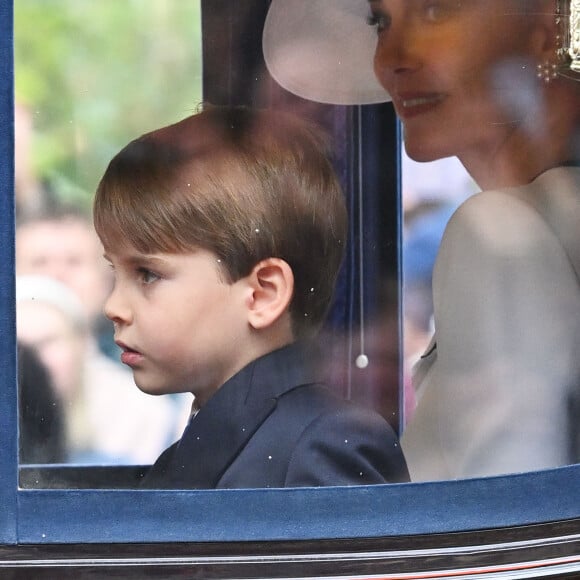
(150, 389)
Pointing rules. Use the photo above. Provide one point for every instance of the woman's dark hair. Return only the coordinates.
(41, 420)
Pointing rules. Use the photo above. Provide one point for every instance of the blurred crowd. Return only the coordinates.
(431, 192)
(78, 403)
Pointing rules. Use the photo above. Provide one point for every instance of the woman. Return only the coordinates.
(492, 82)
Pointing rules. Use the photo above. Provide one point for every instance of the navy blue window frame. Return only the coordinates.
(34, 516)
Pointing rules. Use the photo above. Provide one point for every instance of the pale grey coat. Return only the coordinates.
(494, 395)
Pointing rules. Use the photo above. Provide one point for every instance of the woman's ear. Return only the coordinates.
(272, 285)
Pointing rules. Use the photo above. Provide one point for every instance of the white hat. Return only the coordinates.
(46, 290)
(323, 50)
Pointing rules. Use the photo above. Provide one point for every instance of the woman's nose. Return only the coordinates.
(397, 51)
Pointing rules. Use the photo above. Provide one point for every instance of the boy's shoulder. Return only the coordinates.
(317, 401)
(302, 403)
(316, 438)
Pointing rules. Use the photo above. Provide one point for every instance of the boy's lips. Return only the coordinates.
(129, 356)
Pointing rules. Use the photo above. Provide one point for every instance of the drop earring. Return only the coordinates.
(547, 71)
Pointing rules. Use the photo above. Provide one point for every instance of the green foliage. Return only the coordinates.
(95, 74)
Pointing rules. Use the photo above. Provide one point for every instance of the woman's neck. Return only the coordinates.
(512, 165)
(527, 151)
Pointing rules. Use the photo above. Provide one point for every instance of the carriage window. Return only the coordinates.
(88, 81)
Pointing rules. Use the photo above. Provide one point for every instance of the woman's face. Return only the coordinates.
(459, 71)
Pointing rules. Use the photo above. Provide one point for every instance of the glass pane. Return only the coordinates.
(491, 294)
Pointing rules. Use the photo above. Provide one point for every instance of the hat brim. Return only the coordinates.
(323, 50)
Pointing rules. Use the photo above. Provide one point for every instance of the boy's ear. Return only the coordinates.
(271, 282)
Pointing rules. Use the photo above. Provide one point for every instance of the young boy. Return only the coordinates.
(226, 232)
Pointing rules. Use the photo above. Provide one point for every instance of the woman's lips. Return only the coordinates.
(409, 106)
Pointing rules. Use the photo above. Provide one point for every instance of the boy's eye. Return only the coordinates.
(147, 276)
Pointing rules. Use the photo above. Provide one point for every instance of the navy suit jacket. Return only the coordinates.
(273, 425)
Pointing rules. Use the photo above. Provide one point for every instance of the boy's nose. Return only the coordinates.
(116, 308)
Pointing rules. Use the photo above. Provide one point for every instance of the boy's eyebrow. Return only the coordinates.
(138, 259)
(146, 258)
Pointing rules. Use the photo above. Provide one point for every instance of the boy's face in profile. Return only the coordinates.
(180, 324)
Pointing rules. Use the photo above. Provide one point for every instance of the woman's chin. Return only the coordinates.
(423, 154)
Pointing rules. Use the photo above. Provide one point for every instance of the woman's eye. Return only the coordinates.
(147, 276)
(379, 21)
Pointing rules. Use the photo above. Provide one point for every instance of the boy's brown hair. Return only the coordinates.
(243, 183)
